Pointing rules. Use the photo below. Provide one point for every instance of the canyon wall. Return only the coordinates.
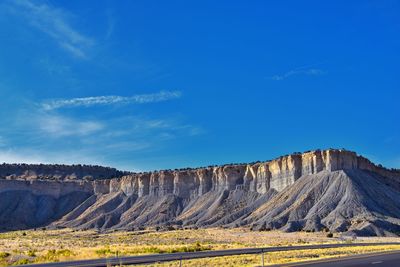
(277, 174)
(260, 177)
(332, 189)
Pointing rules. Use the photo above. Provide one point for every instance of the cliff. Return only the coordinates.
(276, 174)
(333, 189)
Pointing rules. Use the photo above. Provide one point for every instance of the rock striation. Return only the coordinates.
(260, 177)
(332, 189)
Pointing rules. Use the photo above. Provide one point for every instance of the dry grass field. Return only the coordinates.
(37, 246)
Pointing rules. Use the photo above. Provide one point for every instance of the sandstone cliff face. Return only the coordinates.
(312, 190)
(276, 174)
(259, 177)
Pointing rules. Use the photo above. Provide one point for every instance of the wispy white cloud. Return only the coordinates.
(128, 146)
(110, 23)
(109, 100)
(59, 126)
(57, 136)
(11, 156)
(298, 71)
(53, 22)
(37, 156)
(194, 130)
(175, 127)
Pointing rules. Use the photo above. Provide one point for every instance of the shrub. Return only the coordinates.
(22, 262)
(4, 255)
(54, 255)
(104, 252)
(330, 235)
(170, 228)
(31, 253)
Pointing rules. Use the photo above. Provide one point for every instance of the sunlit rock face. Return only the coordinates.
(261, 195)
(276, 174)
(259, 177)
(205, 180)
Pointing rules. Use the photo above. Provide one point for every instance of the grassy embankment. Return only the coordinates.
(22, 247)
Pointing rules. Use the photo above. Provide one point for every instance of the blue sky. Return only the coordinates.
(143, 85)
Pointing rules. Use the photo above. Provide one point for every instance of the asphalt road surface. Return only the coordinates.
(382, 259)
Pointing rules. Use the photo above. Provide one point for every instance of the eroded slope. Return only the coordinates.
(318, 190)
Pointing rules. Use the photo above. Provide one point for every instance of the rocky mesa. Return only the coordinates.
(333, 190)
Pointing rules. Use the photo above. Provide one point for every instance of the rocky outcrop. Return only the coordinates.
(260, 177)
(322, 189)
(54, 189)
(57, 172)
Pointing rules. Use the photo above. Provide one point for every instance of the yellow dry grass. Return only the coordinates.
(276, 257)
(36, 246)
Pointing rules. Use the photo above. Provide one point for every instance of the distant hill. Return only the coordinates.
(322, 190)
(57, 172)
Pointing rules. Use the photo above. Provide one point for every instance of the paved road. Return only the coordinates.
(145, 259)
(382, 259)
